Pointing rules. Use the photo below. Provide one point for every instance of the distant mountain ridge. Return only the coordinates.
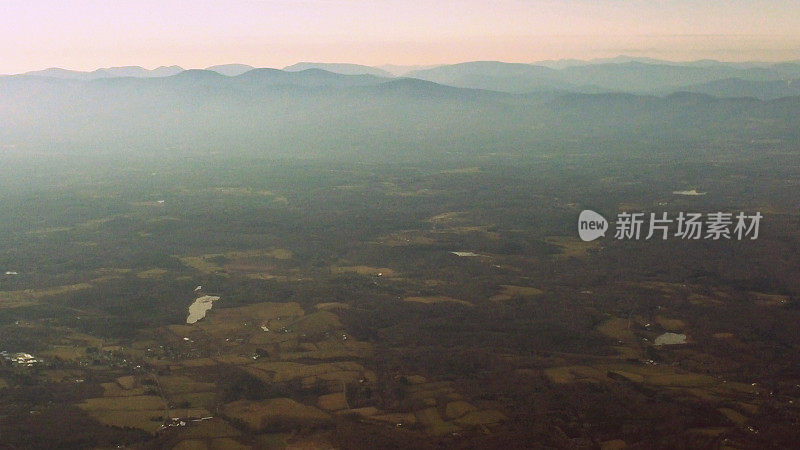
(737, 87)
(621, 59)
(230, 70)
(637, 75)
(340, 68)
(622, 75)
(402, 70)
(316, 113)
(109, 72)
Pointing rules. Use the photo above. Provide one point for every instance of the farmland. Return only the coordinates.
(379, 305)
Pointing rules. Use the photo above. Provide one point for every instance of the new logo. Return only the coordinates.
(591, 225)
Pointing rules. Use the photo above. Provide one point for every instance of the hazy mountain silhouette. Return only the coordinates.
(110, 72)
(400, 70)
(343, 69)
(652, 78)
(737, 87)
(619, 74)
(305, 78)
(564, 63)
(498, 76)
(315, 113)
(230, 70)
(631, 76)
(622, 59)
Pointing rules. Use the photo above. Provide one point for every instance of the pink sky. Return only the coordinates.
(87, 34)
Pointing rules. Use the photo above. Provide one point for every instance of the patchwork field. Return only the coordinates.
(437, 299)
(394, 307)
(25, 297)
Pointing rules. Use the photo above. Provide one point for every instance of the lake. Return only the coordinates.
(200, 307)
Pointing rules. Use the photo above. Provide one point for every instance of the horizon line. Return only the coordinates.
(379, 66)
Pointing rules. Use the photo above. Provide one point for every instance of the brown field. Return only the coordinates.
(572, 374)
(49, 230)
(430, 393)
(65, 352)
(363, 270)
(434, 423)
(246, 261)
(462, 170)
(191, 444)
(187, 413)
(152, 273)
(209, 429)
(412, 193)
(509, 291)
(201, 263)
(437, 299)
(704, 387)
(670, 324)
(276, 253)
(448, 217)
(662, 287)
(262, 266)
(763, 299)
(332, 305)
(116, 390)
(705, 300)
(617, 328)
(342, 376)
(232, 359)
(63, 375)
(614, 444)
(257, 415)
(316, 322)
(221, 323)
(107, 279)
(681, 380)
(200, 362)
(227, 444)
(630, 352)
(145, 412)
(266, 276)
(406, 238)
(457, 409)
(733, 415)
(285, 371)
(333, 348)
(395, 418)
(332, 402)
(179, 384)
(416, 379)
(482, 230)
(133, 403)
(367, 411)
(481, 418)
(711, 431)
(630, 376)
(247, 192)
(196, 399)
(147, 420)
(571, 247)
(25, 297)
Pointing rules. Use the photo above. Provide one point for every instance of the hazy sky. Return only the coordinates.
(86, 34)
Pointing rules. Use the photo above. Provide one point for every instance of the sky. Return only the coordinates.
(88, 34)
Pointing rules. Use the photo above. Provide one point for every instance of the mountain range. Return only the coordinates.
(621, 74)
(317, 113)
